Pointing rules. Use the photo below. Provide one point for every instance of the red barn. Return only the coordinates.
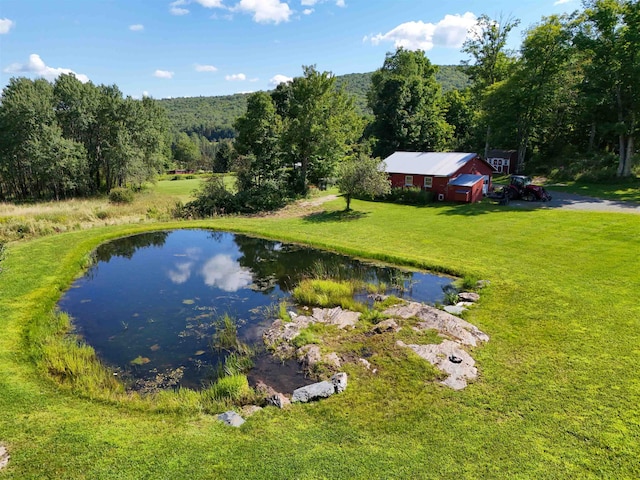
(437, 172)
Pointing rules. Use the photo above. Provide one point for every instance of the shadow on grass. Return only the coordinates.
(335, 216)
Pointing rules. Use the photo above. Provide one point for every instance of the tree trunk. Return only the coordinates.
(622, 162)
(486, 142)
(592, 136)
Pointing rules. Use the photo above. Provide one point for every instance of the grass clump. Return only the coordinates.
(327, 294)
(226, 336)
(468, 282)
(232, 388)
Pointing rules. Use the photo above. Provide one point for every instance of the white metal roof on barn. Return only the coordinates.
(466, 180)
(441, 164)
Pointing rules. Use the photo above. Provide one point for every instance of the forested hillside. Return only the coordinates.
(213, 117)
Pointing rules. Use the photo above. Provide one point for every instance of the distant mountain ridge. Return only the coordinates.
(213, 117)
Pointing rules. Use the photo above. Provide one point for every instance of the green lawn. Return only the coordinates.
(183, 189)
(558, 394)
(617, 189)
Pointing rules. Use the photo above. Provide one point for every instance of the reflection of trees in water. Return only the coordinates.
(124, 247)
(274, 263)
(127, 246)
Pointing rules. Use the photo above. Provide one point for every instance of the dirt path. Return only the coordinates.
(571, 201)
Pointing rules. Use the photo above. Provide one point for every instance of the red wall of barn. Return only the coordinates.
(472, 194)
(474, 166)
(438, 184)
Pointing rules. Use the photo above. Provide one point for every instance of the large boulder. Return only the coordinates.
(449, 358)
(469, 296)
(231, 418)
(313, 392)
(445, 323)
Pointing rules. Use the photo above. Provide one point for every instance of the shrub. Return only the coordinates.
(408, 196)
(212, 199)
(121, 195)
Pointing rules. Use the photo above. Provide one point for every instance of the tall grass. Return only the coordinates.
(327, 293)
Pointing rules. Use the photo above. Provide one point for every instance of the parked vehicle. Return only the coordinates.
(521, 187)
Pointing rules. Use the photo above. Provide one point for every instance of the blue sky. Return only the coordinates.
(217, 47)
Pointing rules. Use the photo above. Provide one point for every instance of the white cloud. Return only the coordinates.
(177, 11)
(562, 2)
(181, 273)
(266, 11)
(451, 31)
(145, 94)
(163, 74)
(6, 25)
(176, 8)
(205, 68)
(307, 11)
(210, 3)
(36, 66)
(136, 28)
(311, 3)
(225, 273)
(236, 77)
(278, 79)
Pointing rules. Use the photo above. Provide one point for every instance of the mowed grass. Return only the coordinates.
(558, 394)
(623, 190)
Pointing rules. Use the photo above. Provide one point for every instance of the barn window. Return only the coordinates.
(428, 182)
(408, 180)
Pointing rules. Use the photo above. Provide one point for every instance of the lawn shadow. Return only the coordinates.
(335, 216)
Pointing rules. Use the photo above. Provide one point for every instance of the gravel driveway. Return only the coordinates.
(570, 201)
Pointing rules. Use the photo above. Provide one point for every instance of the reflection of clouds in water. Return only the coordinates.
(181, 273)
(225, 273)
(193, 253)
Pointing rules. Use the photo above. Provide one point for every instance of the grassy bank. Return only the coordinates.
(557, 397)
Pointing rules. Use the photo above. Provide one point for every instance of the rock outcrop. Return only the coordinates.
(446, 323)
(449, 358)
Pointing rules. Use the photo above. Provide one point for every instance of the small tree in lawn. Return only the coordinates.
(362, 175)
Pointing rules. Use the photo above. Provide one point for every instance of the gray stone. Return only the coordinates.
(365, 362)
(278, 400)
(4, 457)
(332, 360)
(231, 418)
(388, 325)
(339, 381)
(454, 309)
(313, 392)
(309, 355)
(445, 323)
(449, 358)
(336, 316)
(249, 410)
(482, 283)
(464, 304)
(469, 296)
(271, 396)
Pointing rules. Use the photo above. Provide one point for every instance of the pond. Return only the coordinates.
(150, 303)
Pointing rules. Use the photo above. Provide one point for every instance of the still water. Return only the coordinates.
(150, 302)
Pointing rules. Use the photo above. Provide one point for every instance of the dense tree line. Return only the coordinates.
(568, 99)
(70, 138)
